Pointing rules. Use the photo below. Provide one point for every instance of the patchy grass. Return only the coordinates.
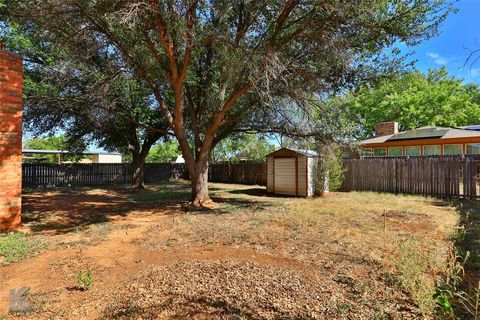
(359, 255)
(16, 246)
(458, 292)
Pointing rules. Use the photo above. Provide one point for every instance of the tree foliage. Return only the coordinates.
(163, 152)
(414, 100)
(243, 146)
(219, 67)
(93, 101)
(59, 142)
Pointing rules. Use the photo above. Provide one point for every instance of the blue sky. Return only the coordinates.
(459, 32)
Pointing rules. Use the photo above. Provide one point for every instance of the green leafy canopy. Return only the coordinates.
(413, 99)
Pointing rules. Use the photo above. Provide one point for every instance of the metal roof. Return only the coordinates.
(427, 132)
(37, 151)
(474, 127)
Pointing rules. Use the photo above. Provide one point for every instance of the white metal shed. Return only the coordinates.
(290, 172)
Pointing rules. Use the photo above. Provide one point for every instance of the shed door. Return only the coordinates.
(285, 176)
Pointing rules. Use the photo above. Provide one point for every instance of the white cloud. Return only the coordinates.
(438, 59)
(474, 72)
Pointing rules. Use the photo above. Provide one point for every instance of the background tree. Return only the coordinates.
(164, 152)
(414, 100)
(216, 67)
(118, 119)
(93, 101)
(249, 146)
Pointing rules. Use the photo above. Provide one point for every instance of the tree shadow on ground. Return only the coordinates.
(168, 191)
(232, 205)
(69, 210)
(258, 192)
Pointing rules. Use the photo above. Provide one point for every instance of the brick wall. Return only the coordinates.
(10, 140)
(385, 128)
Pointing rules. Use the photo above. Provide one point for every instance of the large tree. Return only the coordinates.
(216, 67)
(413, 99)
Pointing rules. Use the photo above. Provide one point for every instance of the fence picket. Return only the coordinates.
(446, 176)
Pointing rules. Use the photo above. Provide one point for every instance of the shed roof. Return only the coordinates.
(427, 132)
(286, 151)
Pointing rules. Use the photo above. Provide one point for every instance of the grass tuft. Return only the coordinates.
(16, 246)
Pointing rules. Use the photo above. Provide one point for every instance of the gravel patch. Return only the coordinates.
(230, 289)
(223, 289)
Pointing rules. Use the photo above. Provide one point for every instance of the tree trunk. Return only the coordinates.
(200, 196)
(138, 171)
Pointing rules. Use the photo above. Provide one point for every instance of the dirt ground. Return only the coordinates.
(340, 256)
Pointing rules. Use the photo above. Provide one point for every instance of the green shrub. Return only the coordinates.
(84, 282)
(330, 169)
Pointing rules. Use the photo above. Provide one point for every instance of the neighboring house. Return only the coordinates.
(104, 157)
(97, 157)
(423, 141)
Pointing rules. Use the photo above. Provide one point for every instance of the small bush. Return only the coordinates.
(330, 169)
(16, 246)
(84, 282)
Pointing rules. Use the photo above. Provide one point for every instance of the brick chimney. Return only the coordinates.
(11, 79)
(385, 128)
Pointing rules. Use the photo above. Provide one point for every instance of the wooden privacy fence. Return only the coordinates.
(78, 174)
(92, 174)
(242, 173)
(156, 172)
(440, 176)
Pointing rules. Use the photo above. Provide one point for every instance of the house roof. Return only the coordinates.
(308, 153)
(427, 132)
(38, 151)
(474, 127)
